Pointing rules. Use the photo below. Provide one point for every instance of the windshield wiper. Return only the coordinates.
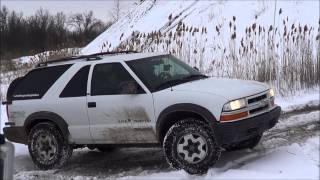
(170, 83)
(180, 81)
(195, 76)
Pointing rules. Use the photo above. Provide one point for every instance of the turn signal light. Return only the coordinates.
(232, 117)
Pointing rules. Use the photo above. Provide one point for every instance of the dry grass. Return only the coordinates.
(286, 56)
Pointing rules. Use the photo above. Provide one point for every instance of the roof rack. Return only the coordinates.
(90, 57)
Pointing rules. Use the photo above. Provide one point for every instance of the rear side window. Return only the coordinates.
(37, 82)
(77, 86)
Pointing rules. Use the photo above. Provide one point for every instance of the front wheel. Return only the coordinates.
(47, 146)
(190, 145)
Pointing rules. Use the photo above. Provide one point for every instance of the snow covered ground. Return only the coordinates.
(288, 151)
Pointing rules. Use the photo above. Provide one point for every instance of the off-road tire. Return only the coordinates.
(62, 150)
(182, 129)
(246, 144)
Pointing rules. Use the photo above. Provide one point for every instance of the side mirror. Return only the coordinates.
(129, 87)
(195, 68)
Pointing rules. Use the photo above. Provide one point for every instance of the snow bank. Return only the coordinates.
(299, 101)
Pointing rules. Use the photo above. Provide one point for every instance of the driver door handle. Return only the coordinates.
(92, 104)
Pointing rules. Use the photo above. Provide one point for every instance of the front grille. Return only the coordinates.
(258, 109)
(258, 98)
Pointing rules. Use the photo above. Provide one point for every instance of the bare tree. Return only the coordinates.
(84, 22)
(116, 11)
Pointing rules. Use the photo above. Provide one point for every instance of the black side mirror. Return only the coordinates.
(129, 87)
(195, 68)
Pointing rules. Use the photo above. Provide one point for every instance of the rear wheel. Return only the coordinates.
(47, 146)
(190, 145)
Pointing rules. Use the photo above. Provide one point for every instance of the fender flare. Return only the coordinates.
(47, 116)
(189, 107)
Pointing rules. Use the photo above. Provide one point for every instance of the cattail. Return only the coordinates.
(260, 29)
(280, 11)
(305, 28)
(253, 26)
(234, 18)
(300, 29)
(217, 29)
(233, 36)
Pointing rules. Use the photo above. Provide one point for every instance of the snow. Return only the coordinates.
(300, 100)
(153, 16)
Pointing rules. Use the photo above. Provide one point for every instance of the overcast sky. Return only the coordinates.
(101, 8)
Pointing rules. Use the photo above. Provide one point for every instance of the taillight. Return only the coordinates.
(7, 107)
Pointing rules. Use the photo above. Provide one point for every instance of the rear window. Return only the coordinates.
(36, 83)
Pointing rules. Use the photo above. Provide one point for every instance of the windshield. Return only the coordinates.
(163, 71)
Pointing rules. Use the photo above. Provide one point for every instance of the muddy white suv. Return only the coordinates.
(111, 100)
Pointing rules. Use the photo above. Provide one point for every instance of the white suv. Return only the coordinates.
(109, 100)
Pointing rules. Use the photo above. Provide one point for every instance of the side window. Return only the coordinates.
(36, 83)
(113, 79)
(77, 86)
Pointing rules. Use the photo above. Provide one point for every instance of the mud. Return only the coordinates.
(130, 135)
(128, 115)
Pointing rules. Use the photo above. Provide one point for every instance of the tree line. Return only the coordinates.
(24, 35)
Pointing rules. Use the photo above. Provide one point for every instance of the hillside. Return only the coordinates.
(154, 16)
(260, 40)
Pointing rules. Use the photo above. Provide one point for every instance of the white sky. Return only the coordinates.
(100, 8)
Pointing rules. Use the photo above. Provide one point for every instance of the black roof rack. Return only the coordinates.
(90, 57)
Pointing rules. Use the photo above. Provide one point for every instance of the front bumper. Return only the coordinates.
(232, 132)
(15, 134)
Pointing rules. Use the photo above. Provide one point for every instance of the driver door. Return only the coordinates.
(120, 110)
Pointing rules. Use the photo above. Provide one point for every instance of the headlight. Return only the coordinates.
(234, 105)
(271, 92)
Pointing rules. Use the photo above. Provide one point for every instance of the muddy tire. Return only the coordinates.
(191, 145)
(47, 146)
(246, 144)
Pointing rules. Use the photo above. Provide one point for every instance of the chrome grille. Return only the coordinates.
(258, 98)
(258, 103)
